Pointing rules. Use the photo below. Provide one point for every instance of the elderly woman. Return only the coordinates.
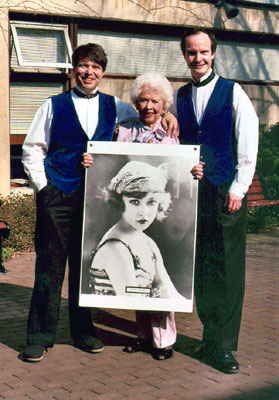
(152, 95)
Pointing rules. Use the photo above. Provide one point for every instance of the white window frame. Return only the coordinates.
(47, 27)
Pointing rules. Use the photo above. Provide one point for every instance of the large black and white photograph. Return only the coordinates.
(139, 227)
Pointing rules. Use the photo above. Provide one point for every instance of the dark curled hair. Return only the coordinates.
(93, 51)
(115, 200)
(195, 31)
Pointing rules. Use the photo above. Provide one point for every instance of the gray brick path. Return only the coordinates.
(67, 373)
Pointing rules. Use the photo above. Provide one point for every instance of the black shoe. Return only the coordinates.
(144, 345)
(34, 353)
(3, 269)
(162, 354)
(221, 359)
(89, 343)
(226, 362)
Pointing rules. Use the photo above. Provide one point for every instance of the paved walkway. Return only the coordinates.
(70, 374)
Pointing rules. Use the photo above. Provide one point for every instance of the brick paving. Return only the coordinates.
(67, 373)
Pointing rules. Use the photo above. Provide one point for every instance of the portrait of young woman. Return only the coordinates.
(139, 210)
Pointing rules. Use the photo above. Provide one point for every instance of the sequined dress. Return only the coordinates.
(100, 282)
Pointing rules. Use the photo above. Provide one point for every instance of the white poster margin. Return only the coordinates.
(189, 152)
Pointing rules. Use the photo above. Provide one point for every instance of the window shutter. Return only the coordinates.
(40, 45)
(25, 99)
(134, 54)
(247, 61)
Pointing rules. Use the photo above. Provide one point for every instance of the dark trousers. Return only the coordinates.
(220, 266)
(57, 238)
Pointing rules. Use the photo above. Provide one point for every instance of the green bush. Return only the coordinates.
(262, 218)
(267, 217)
(7, 253)
(20, 213)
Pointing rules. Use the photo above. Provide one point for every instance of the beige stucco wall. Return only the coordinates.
(4, 108)
(148, 11)
(154, 11)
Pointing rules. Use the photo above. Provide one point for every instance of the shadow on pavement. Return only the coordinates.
(265, 393)
(188, 346)
(115, 330)
(14, 308)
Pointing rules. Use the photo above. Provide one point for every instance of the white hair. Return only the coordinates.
(154, 81)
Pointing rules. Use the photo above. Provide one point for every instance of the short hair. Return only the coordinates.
(115, 200)
(154, 81)
(93, 51)
(195, 31)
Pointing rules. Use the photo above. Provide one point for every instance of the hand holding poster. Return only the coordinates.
(139, 227)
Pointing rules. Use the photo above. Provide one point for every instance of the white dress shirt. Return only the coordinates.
(35, 146)
(246, 130)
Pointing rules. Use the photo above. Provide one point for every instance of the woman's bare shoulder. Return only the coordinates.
(152, 243)
(113, 248)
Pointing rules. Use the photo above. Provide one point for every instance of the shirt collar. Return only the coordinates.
(206, 79)
(77, 88)
(147, 128)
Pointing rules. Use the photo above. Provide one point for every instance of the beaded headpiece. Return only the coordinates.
(137, 176)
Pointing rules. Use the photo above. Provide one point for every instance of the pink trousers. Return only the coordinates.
(158, 326)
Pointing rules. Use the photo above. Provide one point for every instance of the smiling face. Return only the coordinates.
(139, 213)
(198, 54)
(88, 75)
(150, 106)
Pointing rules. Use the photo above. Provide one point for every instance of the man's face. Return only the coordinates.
(88, 75)
(198, 54)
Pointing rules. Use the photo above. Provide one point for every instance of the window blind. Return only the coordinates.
(25, 99)
(40, 45)
(134, 54)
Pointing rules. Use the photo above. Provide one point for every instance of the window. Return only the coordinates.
(247, 61)
(40, 45)
(25, 99)
(267, 2)
(133, 54)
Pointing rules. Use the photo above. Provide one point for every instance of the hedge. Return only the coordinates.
(263, 218)
(20, 213)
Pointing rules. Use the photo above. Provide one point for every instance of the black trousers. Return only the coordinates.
(220, 266)
(57, 238)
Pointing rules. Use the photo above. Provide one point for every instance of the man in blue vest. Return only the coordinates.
(54, 159)
(217, 114)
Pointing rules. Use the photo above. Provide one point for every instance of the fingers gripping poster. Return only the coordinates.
(139, 227)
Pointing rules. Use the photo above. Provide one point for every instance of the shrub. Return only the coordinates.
(263, 218)
(20, 213)
(7, 253)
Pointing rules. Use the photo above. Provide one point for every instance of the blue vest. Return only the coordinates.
(215, 131)
(68, 140)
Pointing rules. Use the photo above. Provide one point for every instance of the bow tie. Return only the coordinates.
(205, 81)
(83, 95)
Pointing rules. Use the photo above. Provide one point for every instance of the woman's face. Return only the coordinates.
(140, 213)
(150, 106)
